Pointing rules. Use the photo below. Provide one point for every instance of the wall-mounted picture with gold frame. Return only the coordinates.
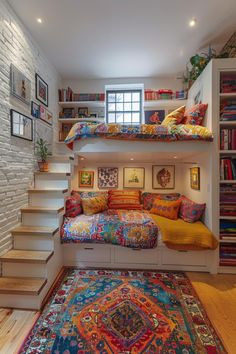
(195, 178)
(86, 179)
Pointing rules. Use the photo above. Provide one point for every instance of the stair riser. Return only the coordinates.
(60, 167)
(10, 269)
(21, 301)
(46, 200)
(41, 219)
(47, 182)
(36, 243)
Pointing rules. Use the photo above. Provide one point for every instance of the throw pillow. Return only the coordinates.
(94, 205)
(147, 198)
(195, 115)
(168, 209)
(129, 200)
(73, 206)
(191, 211)
(174, 117)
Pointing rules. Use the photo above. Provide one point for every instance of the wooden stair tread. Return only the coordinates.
(60, 158)
(31, 209)
(52, 190)
(25, 256)
(55, 174)
(34, 230)
(21, 285)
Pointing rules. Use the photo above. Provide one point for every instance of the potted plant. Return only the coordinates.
(42, 152)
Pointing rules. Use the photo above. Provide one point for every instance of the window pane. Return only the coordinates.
(119, 117)
(119, 107)
(136, 96)
(136, 117)
(111, 118)
(135, 106)
(127, 106)
(119, 97)
(111, 97)
(127, 118)
(111, 107)
(127, 97)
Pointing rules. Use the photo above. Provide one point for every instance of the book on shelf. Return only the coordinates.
(227, 168)
(67, 95)
(228, 139)
(228, 110)
(228, 83)
(227, 254)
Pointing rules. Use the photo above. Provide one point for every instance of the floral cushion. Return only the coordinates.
(168, 209)
(73, 206)
(123, 199)
(195, 114)
(94, 205)
(147, 198)
(174, 117)
(84, 195)
(191, 211)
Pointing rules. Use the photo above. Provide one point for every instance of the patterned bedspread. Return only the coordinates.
(135, 229)
(139, 132)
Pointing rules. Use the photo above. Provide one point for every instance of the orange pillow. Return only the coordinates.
(129, 200)
(168, 209)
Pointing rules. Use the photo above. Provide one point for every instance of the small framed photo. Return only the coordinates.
(21, 126)
(45, 115)
(163, 177)
(107, 177)
(93, 115)
(82, 112)
(68, 112)
(20, 85)
(195, 178)
(86, 179)
(154, 117)
(35, 109)
(134, 177)
(41, 90)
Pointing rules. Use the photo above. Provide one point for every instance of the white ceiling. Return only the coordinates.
(125, 38)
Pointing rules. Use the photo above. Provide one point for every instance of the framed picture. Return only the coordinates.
(86, 179)
(45, 115)
(42, 112)
(35, 109)
(68, 112)
(154, 117)
(93, 115)
(195, 178)
(21, 126)
(20, 85)
(107, 177)
(41, 90)
(134, 177)
(163, 177)
(45, 131)
(82, 112)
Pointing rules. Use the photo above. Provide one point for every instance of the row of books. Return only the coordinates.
(228, 254)
(228, 110)
(228, 139)
(228, 230)
(227, 168)
(228, 84)
(67, 95)
(227, 204)
(228, 187)
(151, 95)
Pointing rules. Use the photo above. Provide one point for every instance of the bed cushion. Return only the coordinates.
(73, 206)
(174, 117)
(123, 199)
(168, 209)
(94, 205)
(84, 195)
(195, 114)
(191, 211)
(148, 198)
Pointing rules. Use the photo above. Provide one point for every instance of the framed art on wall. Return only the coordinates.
(107, 177)
(41, 90)
(163, 177)
(195, 178)
(154, 117)
(35, 109)
(134, 177)
(82, 112)
(86, 179)
(20, 85)
(45, 115)
(21, 125)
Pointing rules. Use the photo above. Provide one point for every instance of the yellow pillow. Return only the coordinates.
(174, 117)
(166, 208)
(199, 130)
(94, 205)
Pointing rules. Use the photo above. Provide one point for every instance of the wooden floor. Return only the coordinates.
(217, 294)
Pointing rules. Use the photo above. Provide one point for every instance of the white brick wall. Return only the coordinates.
(17, 161)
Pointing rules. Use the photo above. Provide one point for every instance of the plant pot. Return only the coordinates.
(43, 166)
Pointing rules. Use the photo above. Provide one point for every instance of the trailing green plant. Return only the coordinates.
(42, 150)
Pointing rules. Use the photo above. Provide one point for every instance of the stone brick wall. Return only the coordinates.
(17, 160)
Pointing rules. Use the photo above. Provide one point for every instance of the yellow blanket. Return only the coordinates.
(181, 235)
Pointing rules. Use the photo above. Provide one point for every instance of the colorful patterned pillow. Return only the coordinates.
(168, 209)
(129, 200)
(195, 114)
(191, 211)
(94, 205)
(147, 198)
(73, 206)
(84, 195)
(174, 117)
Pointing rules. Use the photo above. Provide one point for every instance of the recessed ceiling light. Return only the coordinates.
(192, 22)
(175, 157)
(39, 20)
(131, 159)
(82, 158)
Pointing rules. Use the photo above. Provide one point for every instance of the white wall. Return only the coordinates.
(17, 159)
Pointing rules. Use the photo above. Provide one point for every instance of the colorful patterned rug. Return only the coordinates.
(126, 312)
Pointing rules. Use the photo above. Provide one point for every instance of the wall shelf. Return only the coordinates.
(225, 123)
(228, 94)
(164, 103)
(76, 120)
(227, 152)
(91, 104)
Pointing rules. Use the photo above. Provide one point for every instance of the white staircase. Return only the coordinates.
(30, 268)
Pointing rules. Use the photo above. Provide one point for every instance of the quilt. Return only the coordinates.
(128, 228)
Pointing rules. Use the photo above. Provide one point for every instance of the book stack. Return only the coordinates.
(151, 95)
(228, 254)
(67, 95)
(227, 204)
(228, 230)
(165, 94)
(181, 95)
(228, 187)
(227, 168)
(228, 111)
(228, 139)
(228, 84)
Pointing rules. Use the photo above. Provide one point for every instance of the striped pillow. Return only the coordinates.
(129, 200)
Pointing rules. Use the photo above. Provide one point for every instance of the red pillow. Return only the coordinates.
(195, 115)
(190, 211)
(73, 206)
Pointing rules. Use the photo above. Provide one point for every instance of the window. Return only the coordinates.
(124, 105)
